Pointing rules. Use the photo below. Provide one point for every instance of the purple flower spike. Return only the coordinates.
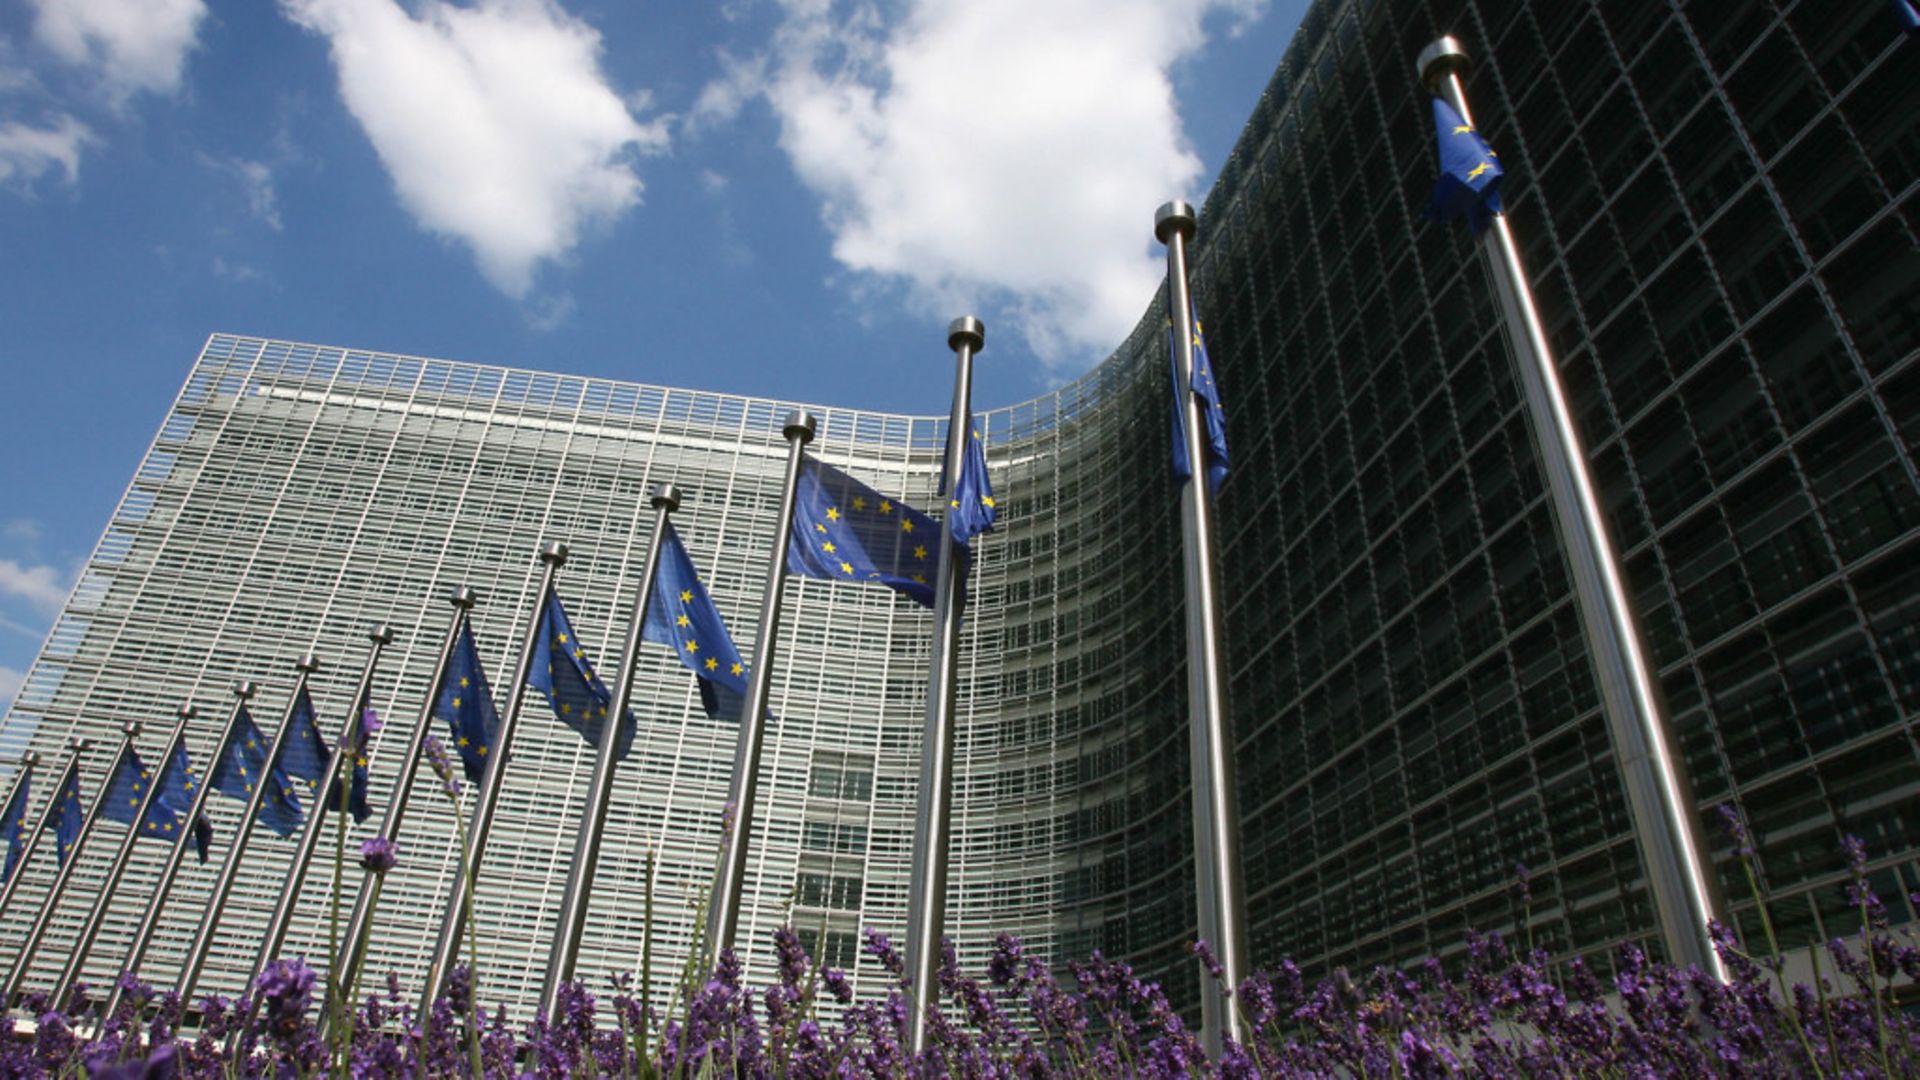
(1207, 960)
(1737, 828)
(441, 764)
(379, 854)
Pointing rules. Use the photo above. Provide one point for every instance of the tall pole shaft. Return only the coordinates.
(353, 950)
(21, 776)
(237, 848)
(143, 933)
(1658, 794)
(1222, 901)
(27, 762)
(730, 876)
(553, 555)
(593, 816)
(933, 826)
(311, 835)
(110, 887)
(44, 918)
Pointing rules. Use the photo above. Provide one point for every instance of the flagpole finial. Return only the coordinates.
(131, 729)
(308, 663)
(1174, 217)
(187, 712)
(244, 688)
(800, 424)
(463, 598)
(30, 759)
(967, 330)
(554, 552)
(381, 634)
(78, 745)
(1445, 56)
(667, 495)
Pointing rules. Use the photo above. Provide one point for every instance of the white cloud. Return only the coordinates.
(995, 155)
(494, 121)
(129, 45)
(42, 586)
(27, 152)
(10, 683)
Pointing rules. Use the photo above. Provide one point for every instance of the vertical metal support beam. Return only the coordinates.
(730, 876)
(143, 933)
(353, 950)
(553, 555)
(237, 849)
(44, 918)
(276, 934)
(109, 888)
(1222, 904)
(593, 815)
(933, 811)
(1657, 789)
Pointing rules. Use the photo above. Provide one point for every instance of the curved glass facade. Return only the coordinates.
(1717, 205)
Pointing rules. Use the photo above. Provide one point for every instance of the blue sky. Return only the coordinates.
(785, 198)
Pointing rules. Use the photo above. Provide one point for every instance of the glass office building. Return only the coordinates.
(1718, 206)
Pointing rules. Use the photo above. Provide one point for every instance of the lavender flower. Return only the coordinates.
(1736, 827)
(379, 854)
(441, 764)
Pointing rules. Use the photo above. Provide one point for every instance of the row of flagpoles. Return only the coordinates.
(831, 526)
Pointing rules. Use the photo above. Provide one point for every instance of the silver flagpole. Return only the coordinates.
(353, 950)
(730, 876)
(553, 555)
(27, 761)
(1684, 891)
(44, 918)
(143, 934)
(1222, 903)
(90, 929)
(933, 834)
(593, 815)
(242, 833)
(379, 637)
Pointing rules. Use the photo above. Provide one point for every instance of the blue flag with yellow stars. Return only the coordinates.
(466, 704)
(1469, 184)
(363, 728)
(305, 756)
(178, 782)
(1214, 417)
(682, 616)
(563, 673)
(243, 763)
(971, 510)
(127, 787)
(844, 530)
(69, 817)
(13, 825)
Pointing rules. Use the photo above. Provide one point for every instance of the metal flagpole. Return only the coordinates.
(730, 876)
(242, 833)
(1216, 810)
(553, 555)
(143, 934)
(44, 918)
(27, 761)
(1657, 788)
(593, 815)
(353, 950)
(379, 638)
(90, 929)
(932, 833)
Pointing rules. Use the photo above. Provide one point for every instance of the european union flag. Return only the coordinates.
(363, 729)
(683, 617)
(844, 530)
(68, 816)
(178, 782)
(306, 757)
(127, 787)
(1211, 413)
(562, 671)
(13, 825)
(1469, 184)
(243, 763)
(466, 704)
(971, 511)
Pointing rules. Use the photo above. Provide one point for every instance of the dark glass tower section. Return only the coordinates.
(1717, 203)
